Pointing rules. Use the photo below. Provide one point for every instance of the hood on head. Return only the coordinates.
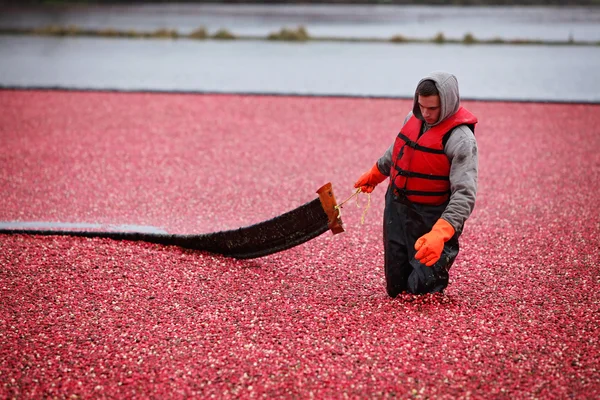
(447, 85)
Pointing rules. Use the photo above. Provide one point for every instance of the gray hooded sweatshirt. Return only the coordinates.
(461, 150)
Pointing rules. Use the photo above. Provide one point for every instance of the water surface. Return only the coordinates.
(555, 73)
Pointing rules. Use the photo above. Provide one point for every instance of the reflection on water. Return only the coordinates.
(382, 21)
(569, 73)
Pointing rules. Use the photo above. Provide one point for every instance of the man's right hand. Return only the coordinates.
(370, 179)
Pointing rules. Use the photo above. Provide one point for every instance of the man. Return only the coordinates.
(432, 167)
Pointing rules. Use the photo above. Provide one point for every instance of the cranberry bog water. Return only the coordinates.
(98, 318)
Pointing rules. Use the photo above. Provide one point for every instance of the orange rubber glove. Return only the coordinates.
(370, 179)
(429, 246)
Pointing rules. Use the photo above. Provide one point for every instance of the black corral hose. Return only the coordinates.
(280, 233)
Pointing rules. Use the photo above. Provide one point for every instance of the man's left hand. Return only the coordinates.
(430, 246)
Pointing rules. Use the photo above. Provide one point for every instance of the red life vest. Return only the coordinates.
(421, 170)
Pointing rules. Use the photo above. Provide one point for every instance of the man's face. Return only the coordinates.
(430, 108)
